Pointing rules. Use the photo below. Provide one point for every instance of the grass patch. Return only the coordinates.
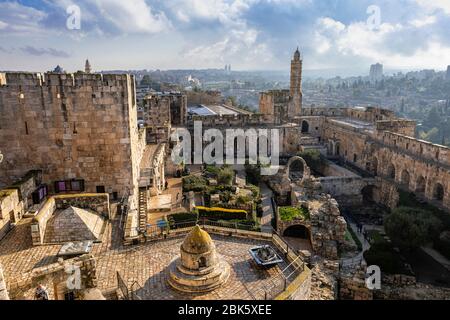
(291, 213)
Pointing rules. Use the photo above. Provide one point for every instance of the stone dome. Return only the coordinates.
(197, 241)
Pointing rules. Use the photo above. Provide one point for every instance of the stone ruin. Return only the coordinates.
(326, 225)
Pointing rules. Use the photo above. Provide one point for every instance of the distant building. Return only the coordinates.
(58, 69)
(376, 72)
(448, 73)
(87, 67)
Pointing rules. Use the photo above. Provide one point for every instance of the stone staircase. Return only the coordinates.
(142, 209)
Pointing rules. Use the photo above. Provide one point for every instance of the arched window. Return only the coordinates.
(305, 126)
(405, 178)
(391, 171)
(421, 184)
(438, 193)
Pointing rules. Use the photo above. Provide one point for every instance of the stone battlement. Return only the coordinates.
(61, 79)
(419, 147)
(233, 120)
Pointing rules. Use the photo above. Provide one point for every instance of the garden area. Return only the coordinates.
(290, 213)
(224, 200)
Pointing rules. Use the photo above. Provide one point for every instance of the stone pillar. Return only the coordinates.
(3, 291)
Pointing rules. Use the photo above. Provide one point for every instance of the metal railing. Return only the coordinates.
(166, 229)
(294, 263)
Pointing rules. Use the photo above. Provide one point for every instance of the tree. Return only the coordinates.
(411, 228)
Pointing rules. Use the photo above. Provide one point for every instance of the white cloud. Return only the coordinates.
(18, 19)
(239, 45)
(419, 23)
(133, 16)
(356, 41)
(432, 5)
(3, 25)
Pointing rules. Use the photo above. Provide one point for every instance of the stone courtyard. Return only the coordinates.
(146, 263)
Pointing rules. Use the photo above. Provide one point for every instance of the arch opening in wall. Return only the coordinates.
(391, 171)
(375, 166)
(405, 178)
(421, 184)
(297, 231)
(438, 193)
(368, 193)
(305, 126)
(296, 170)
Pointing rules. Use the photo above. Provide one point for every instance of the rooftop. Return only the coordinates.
(147, 264)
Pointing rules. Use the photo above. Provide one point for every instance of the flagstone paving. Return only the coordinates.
(146, 263)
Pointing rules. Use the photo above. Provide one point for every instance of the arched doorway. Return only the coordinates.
(438, 193)
(391, 171)
(296, 170)
(405, 178)
(421, 184)
(338, 149)
(375, 166)
(368, 194)
(305, 126)
(297, 231)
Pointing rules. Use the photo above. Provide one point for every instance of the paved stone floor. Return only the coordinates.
(145, 263)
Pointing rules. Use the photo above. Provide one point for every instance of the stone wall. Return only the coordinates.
(3, 288)
(346, 190)
(56, 278)
(96, 202)
(11, 209)
(71, 126)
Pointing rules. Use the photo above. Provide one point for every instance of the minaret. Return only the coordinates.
(87, 67)
(296, 84)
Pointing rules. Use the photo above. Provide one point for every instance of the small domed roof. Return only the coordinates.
(197, 241)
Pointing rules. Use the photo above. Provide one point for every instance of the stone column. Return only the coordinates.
(3, 292)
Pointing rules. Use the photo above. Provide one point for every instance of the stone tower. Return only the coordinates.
(87, 67)
(296, 85)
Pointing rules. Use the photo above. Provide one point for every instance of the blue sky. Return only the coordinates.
(248, 34)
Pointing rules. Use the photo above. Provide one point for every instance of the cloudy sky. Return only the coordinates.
(249, 34)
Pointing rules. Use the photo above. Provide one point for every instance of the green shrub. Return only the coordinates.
(255, 190)
(355, 238)
(217, 213)
(194, 183)
(291, 213)
(225, 175)
(411, 228)
(253, 173)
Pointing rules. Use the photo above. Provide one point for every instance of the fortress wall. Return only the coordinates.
(401, 126)
(416, 147)
(72, 126)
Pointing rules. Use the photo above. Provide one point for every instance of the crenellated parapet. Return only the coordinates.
(29, 79)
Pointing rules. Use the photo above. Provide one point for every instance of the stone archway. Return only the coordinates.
(391, 171)
(297, 231)
(421, 184)
(305, 126)
(368, 193)
(405, 178)
(438, 192)
(297, 169)
(375, 166)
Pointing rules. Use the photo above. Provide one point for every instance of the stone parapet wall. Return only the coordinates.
(3, 288)
(56, 277)
(11, 209)
(96, 202)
